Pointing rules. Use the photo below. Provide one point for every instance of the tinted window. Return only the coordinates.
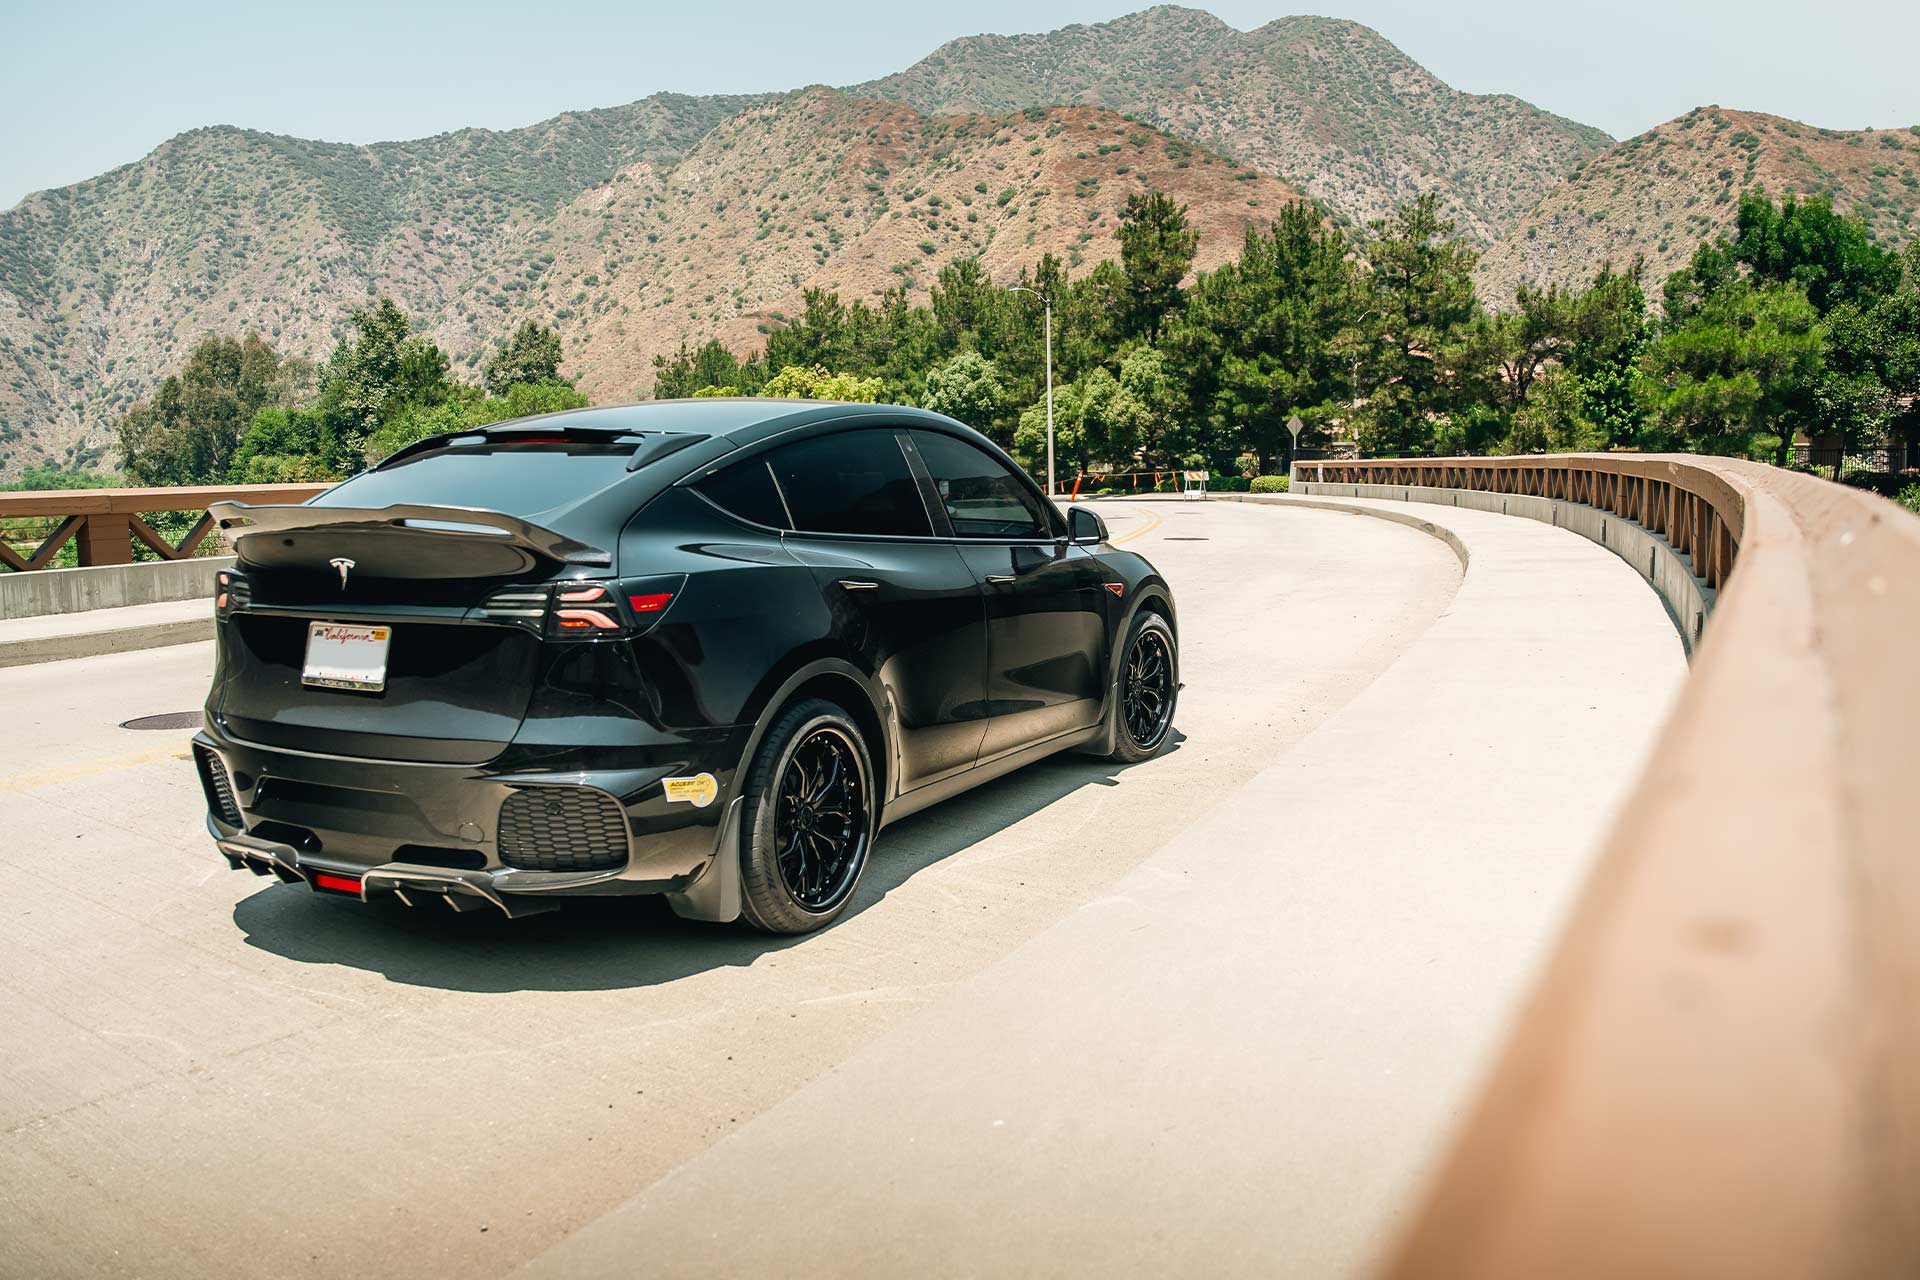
(746, 489)
(851, 482)
(516, 480)
(982, 497)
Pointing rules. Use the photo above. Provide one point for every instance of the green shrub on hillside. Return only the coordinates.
(1269, 484)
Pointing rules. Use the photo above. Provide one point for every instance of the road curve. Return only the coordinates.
(210, 1074)
(1243, 1057)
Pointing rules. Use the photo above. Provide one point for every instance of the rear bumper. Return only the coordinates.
(435, 830)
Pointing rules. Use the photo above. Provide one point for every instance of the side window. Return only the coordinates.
(746, 490)
(982, 497)
(851, 482)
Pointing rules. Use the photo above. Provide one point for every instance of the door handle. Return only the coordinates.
(855, 584)
(1001, 577)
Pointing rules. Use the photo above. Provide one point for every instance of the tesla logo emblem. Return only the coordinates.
(345, 566)
(1118, 588)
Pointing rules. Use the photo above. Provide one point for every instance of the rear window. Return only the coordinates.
(519, 480)
(746, 490)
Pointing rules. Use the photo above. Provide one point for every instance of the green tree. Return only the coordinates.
(1421, 301)
(1257, 338)
(40, 479)
(688, 371)
(1607, 336)
(379, 372)
(967, 306)
(285, 444)
(1135, 415)
(967, 389)
(188, 431)
(1803, 241)
(801, 382)
(1157, 248)
(1553, 419)
(1739, 374)
(531, 355)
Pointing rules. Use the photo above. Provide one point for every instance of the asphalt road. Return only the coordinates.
(208, 1074)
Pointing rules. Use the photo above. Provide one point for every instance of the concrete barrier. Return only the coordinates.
(113, 586)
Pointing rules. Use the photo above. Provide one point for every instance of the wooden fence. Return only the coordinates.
(103, 524)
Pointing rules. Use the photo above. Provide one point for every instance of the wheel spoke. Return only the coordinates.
(1147, 696)
(820, 820)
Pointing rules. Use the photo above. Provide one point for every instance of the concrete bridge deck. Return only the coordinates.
(1215, 1012)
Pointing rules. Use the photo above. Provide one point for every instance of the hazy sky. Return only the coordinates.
(89, 86)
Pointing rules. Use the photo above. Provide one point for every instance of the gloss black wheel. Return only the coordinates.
(1146, 689)
(820, 820)
(809, 820)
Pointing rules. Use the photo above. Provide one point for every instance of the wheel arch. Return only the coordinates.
(843, 684)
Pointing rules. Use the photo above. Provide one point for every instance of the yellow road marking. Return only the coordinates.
(1153, 522)
(87, 769)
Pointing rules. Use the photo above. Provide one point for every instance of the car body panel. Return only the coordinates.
(956, 677)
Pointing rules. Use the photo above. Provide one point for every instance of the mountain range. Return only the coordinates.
(634, 228)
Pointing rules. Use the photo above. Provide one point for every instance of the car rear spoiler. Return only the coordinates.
(445, 527)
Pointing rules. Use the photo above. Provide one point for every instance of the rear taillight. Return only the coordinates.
(582, 610)
(231, 591)
(524, 606)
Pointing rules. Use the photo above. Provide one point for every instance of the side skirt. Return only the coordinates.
(945, 789)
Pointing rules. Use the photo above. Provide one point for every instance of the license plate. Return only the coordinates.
(343, 657)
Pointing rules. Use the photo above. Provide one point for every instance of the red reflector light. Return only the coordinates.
(339, 884)
(220, 601)
(584, 593)
(650, 604)
(581, 619)
(1118, 588)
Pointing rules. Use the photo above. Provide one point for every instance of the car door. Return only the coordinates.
(903, 599)
(1046, 600)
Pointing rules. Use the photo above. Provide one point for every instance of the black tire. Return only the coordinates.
(1149, 645)
(808, 823)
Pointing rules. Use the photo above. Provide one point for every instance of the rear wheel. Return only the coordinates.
(1146, 689)
(809, 819)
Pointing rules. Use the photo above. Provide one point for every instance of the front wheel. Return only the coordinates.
(1146, 689)
(809, 819)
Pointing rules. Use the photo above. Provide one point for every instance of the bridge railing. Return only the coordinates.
(104, 523)
(1688, 500)
(1719, 1073)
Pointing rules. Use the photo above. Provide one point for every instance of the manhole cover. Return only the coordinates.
(169, 720)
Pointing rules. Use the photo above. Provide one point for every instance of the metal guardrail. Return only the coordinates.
(103, 523)
(1719, 1072)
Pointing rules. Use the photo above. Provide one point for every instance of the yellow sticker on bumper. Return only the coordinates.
(699, 791)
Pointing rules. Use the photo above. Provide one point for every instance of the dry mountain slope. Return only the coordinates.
(110, 283)
(105, 285)
(1331, 105)
(1663, 192)
(825, 190)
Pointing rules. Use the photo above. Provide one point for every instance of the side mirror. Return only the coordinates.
(1084, 527)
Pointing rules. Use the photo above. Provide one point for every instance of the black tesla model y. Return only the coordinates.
(702, 648)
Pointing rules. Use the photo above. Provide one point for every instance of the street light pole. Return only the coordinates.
(1354, 381)
(1046, 303)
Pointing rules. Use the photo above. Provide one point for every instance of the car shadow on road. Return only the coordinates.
(597, 944)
